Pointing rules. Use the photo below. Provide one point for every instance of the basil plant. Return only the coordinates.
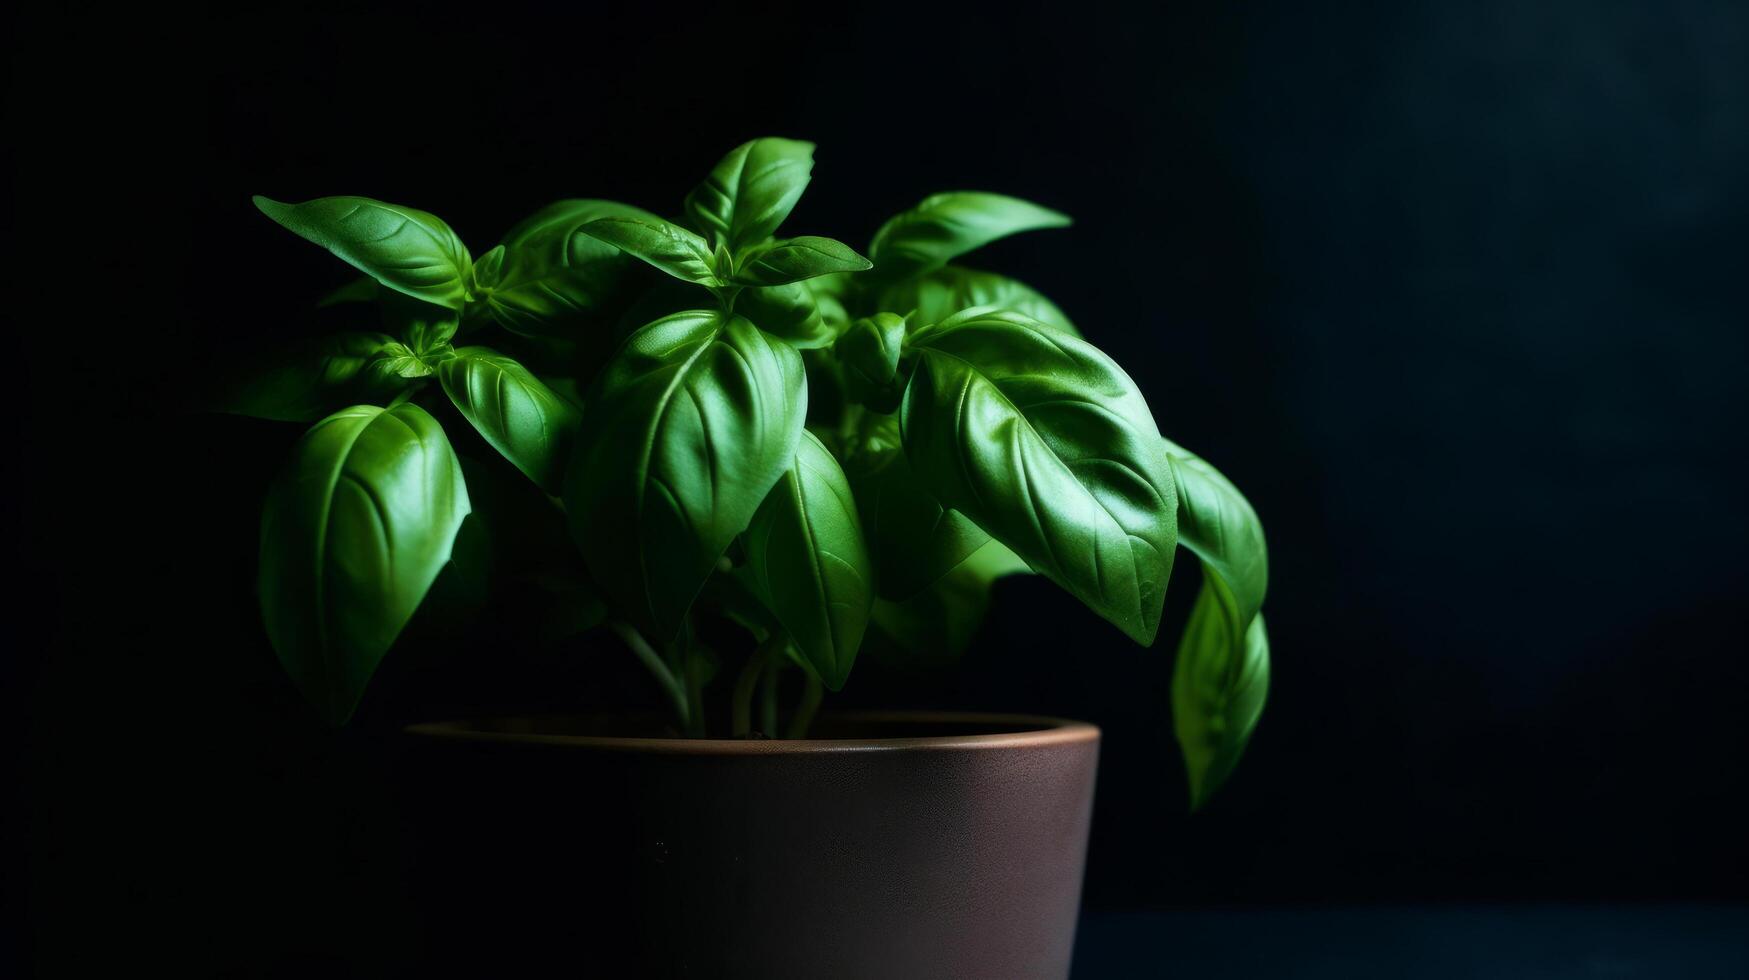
(713, 429)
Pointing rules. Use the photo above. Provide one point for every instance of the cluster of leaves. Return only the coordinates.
(736, 426)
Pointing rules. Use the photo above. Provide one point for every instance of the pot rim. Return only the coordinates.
(1037, 731)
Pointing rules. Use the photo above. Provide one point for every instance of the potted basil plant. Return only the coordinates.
(728, 431)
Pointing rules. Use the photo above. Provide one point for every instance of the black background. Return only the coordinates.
(1455, 292)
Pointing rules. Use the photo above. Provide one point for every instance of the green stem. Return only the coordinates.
(768, 695)
(691, 665)
(741, 706)
(653, 660)
(812, 694)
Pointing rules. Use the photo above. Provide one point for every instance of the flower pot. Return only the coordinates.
(901, 846)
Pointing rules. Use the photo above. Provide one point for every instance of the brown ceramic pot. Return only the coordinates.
(899, 847)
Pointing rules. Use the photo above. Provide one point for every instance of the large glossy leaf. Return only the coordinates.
(403, 248)
(532, 425)
(934, 297)
(914, 541)
(809, 564)
(668, 247)
(355, 530)
(686, 431)
(551, 273)
(1046, 444)
(314, 378)
(1221, 678)
(751, 190)
(795, 259)
(946, 226)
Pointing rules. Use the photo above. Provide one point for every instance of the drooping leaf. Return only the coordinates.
(687, 429)
(355, 529)
(789, 311)
(809, 564)
(532, 425)
(913, 539)
(795, 259)
(1047, 445)
(1221, 678)
(1218, 525)
(313, 379)
(668, 247)
(934, 297)
(552, 274)
(750, 191)
(403, 248)
(946, 226)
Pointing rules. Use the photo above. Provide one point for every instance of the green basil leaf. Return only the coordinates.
(687, 429)
(1221, 678)
(668, 247)
(1218, 525)
(313, 379)
(934, 627)
(532, 425)
(731, 594)
(575, 605)
(829, 299)
(1045, 443)
(552, 273)
(398, 360)
(809, 564)
(567, 388)
(355, 530)
(869, 351)
(751, 190)
(788, 311)
(403, 248)
(426, 329)
(793, 259)
(913, 539)
(488, 270)
(531, 551)
(946, 226)
(934, 297)
(362, 290)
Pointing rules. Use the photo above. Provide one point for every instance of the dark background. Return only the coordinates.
(1455, 292)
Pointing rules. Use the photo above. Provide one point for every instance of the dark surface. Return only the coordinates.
(1486, 942)
(1454, 292)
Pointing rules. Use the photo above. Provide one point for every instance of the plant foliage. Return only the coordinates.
(736, 422)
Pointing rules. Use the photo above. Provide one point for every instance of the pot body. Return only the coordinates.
(884, 854)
